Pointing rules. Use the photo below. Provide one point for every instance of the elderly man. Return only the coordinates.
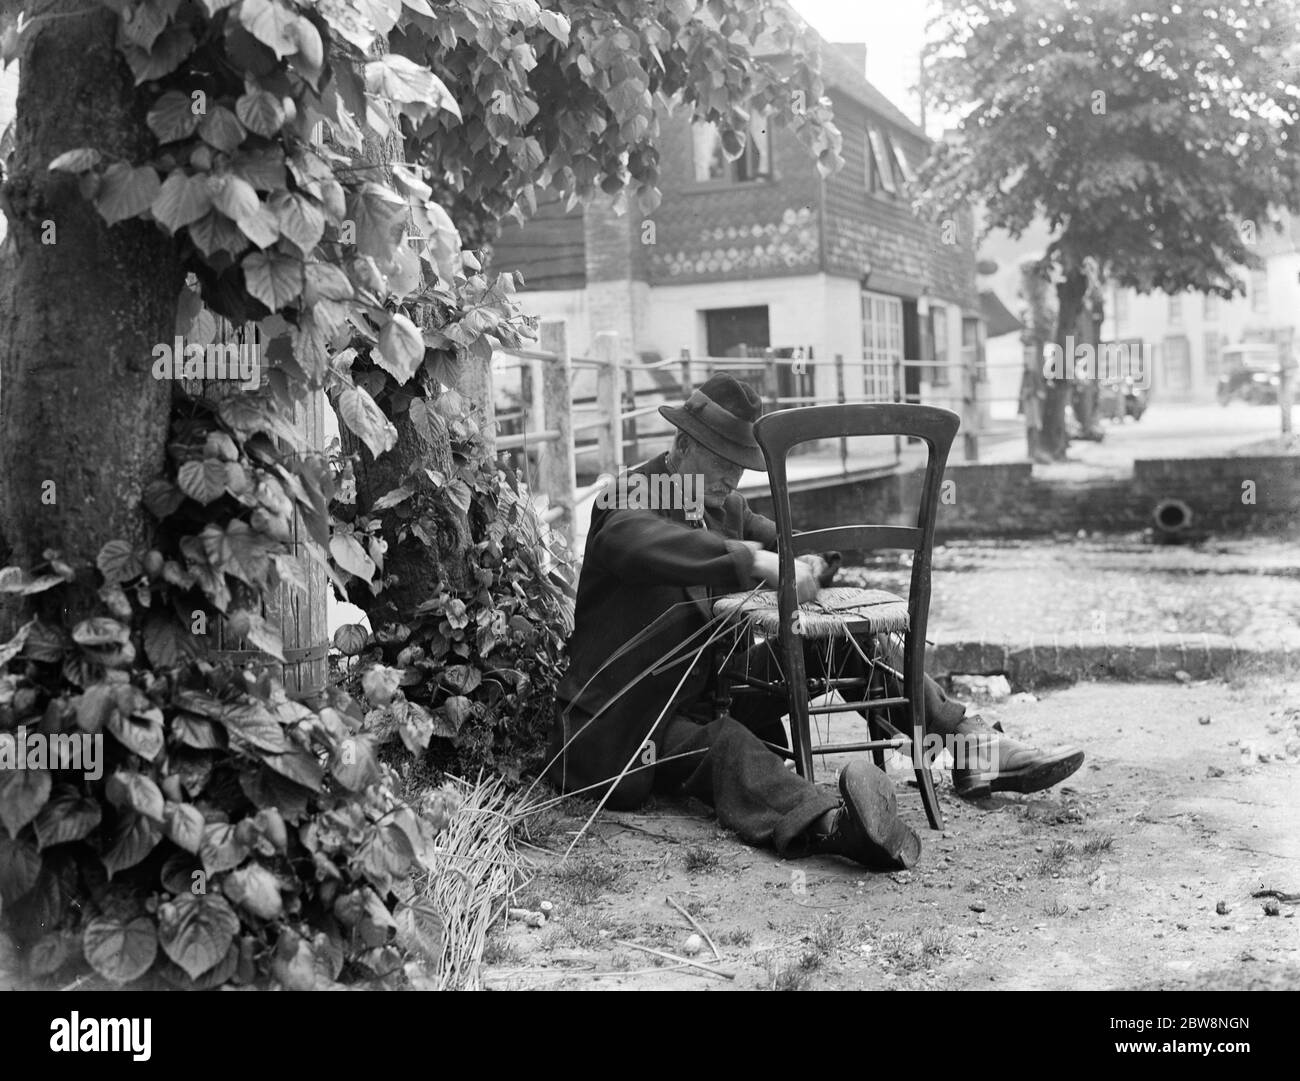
(635, 712)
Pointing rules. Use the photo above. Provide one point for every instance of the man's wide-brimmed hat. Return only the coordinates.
(720, 414)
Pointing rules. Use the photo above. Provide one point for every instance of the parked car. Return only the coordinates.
(1122, 398)
(1250, 374)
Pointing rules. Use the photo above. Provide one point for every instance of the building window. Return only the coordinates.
(939, 330)
(1212, 360)
(887, 165)
(882, 344)
(754, 163)
(1259, 292)
(1175, 311)
(1210, 309)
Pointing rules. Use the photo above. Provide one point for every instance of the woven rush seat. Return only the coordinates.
(836, 611)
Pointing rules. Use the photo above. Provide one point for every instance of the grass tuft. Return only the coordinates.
(699, 858)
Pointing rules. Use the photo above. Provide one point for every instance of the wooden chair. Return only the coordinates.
(888, 695)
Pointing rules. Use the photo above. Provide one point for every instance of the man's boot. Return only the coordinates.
(867, 828)
(989, 762)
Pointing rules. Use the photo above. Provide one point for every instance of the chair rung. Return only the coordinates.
(870, 703)
(870, 745)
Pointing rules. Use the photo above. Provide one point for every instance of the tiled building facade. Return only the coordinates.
(764, 252)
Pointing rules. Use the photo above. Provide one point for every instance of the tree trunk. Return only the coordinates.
(1069, 297)
(416, 570)
(83, 423)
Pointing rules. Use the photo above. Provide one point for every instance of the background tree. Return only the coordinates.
(1154, 142)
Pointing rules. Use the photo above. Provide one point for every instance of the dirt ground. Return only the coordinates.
(1137, 872)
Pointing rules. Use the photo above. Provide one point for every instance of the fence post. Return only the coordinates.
(898, 397)
(555, 466)
(839, 397)
(609, 402)
(770, 379)
(687, 385)
(630, 437)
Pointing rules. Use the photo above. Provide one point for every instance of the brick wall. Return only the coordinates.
(1007, 500)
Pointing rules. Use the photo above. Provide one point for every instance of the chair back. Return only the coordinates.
(777, 433)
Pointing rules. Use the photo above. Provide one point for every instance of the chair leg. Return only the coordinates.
(924, 777)
(877, 731)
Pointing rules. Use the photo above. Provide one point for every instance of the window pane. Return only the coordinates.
(881, 154)
(710, 162)
(904, 167)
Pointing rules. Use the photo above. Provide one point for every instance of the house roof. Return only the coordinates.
(998, 319)
(842, 68)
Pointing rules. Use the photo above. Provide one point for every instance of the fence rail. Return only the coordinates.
(594, 408)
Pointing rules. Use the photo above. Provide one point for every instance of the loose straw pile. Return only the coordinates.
(477, 869)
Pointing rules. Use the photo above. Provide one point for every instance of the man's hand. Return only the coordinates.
(767, 569)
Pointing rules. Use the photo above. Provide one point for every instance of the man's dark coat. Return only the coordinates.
(642, 569)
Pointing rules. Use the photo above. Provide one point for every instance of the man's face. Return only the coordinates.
(720, 476)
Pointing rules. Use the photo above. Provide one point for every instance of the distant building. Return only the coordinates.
(761, 252)
(1190, 330)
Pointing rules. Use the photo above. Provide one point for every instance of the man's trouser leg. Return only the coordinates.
(724, 764)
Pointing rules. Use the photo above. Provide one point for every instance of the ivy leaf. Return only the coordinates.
(351, 639)
(120, 950)
(300, 220)
(196, 930)
(23, 792)
(170, 47)
(392, 498)
(367, 420)
(118, 562)
(462, 678)
(273, 278)
(144, 736)
(416, 728)
(255, 889)
(126, 192)
(261, 634)
(172, 117)
(221, 849)
(443, 248)
(401, 348)
(380, 217)
(184, 825)
(398, 79)
(132, 789)
(234, 197)
(555, 24)
(166, 642)
(260, 227)
(353, 764)
(135, 838)
(451, 715)
(68, 816)
(237, 550)
(260, 111)
(272, 24)
(99, 632)
(221, 129)
(20, 866)
(182, 201)
(349, 23)
(215, 232)
(203, 481)
(349, 555)
(10, 649)
(80, 160)
(326, 282)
